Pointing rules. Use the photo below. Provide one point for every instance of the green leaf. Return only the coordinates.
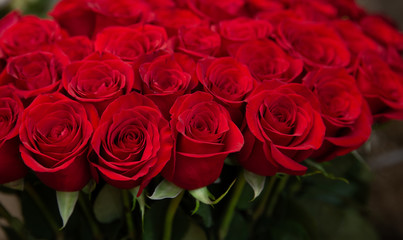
(66, 202)
(164, 190)
(141, 200)
(16, 185)
(108, 205)
(204, 195)
(255, 181)
(90, 187)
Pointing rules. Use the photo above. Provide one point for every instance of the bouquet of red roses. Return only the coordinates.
(154, 96)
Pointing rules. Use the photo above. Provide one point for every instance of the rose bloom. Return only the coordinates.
(98, 79)
(381, 86)
(216, 10)
(344, 112)
(172, 19)
(316, 44)
(19, 35)
(34, 73)
(267, 61)
(130, 43)
(284, 127)
(236, 31)
(88, 17)
(383, 32)
(167, 77)
(132, 143)
(204, 136)
(200, 41)
(11, 165)
(229, 81)
(76, 48)
(354, 37)
(55, 132)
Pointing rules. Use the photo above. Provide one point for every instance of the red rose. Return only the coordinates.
(267, 61)
(119, 13)
(98, 79)
(26, 34)
(382, 31)
(75, 17)
(266, 5)
(88, 17)
(381, 86)
(277, 17)
(166, 78)
(173, 19)
(34, 73)
(133, 142)
(204, 135)
(242, 29)
(344, 112)
(227, 80)
(316, 44)
(199, 41)
(317, 11)
(284, 127)
(216, 10)
(355, 39)
(11, 166)
(55, 133)
(76, 48)
(130, 43)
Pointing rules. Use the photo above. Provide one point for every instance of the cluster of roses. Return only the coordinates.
(124, 90)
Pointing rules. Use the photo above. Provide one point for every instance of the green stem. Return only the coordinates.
(41, 205)
(169, 217)
(274, 199)
(93, 224)
(229, 213)
(128, 213)
(14, 223)
(265, 197)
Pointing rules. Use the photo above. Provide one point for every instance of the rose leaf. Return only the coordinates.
(66, 202)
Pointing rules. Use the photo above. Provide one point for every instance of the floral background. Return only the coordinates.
(367, 208)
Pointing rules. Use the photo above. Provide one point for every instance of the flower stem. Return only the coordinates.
(45, 211)
(14, 223)
(169, 217)
(93, 224)
(128, 213)
(265, 197)
(277, 192)
(229, 213)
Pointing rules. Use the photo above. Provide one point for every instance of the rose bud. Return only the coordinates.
(55, 132)
(267, 61)
(130, 43)
(284, 127)
(132, 143)
(383, 32)
(166, 78)
(98, 79)
(316, 44)
(229, 81)
(381, 86)
(34, 73)
(239, 30)
(199, 41)
(204, 136)
(76, 48)
(344, 112)
(11, 165)
(20, 35)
